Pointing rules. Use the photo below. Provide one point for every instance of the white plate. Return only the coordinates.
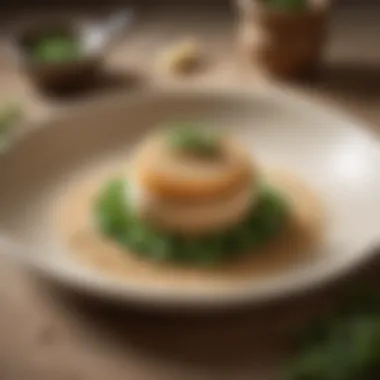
(331, 152)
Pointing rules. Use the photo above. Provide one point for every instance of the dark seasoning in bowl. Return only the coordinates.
(54, 59)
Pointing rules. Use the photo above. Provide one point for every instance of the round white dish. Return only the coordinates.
(331, 152)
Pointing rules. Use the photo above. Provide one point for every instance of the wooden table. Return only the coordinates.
(46, 334)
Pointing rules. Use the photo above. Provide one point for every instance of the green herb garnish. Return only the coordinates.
(287, 5)
(111, 208)
(115, 218)
(9, 117)
(56, 48)
(343, 346)
(190, 139)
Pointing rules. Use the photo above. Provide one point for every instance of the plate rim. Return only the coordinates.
(120, 291)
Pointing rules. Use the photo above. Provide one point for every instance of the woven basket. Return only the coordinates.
(283, 43)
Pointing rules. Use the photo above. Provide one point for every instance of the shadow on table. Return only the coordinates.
(245, 338)
(229, 340)
(100, 84)
(350, 79)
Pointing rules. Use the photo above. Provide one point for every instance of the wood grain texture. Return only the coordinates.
(199, 3)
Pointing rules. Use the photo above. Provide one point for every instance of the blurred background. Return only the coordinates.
(42, 339)
(350, 60)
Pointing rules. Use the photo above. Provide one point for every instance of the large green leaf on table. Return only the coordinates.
(344, 345)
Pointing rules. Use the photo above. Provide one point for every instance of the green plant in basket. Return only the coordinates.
(287, 5)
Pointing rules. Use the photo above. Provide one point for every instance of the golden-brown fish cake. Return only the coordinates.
(177, 175)
(192, 218)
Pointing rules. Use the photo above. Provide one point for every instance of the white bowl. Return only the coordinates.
(331, 152)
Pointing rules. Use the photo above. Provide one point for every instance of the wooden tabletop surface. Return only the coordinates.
(46, 334)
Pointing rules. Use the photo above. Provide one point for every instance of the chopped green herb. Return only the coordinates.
(111, 208)
(191, 139)
(56, 48)
(115, 218)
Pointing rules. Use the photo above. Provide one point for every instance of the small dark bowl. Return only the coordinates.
(55, 76)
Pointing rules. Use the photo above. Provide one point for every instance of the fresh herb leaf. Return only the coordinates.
(115, 218)
(345, 346)
(111, 209)
(190, 139)
(9, 117)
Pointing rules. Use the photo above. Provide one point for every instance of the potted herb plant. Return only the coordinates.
(283, 37)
